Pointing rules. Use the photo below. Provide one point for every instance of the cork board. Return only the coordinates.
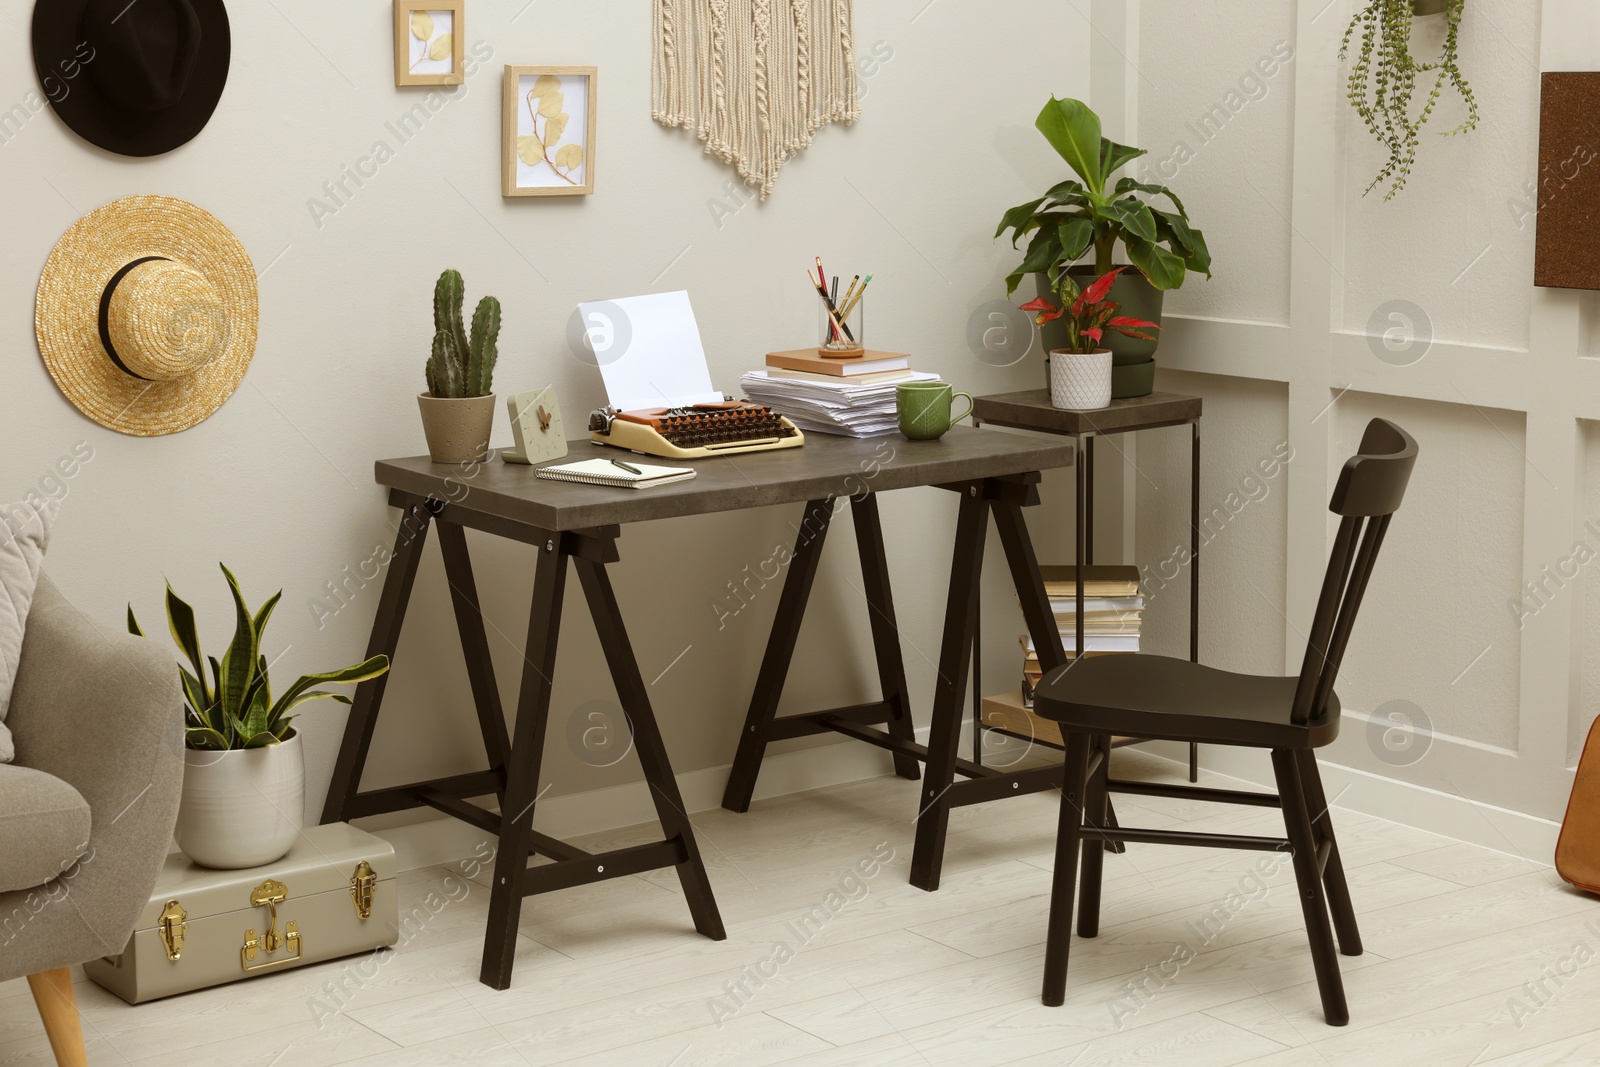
(1567, 243)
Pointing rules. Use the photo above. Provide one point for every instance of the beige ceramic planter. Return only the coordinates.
(457, 430)
(241, 808)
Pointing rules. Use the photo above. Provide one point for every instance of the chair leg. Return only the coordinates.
(53, 995)
(1058, 936)
(1096, 797)
(1313, 906)
(1344, 912)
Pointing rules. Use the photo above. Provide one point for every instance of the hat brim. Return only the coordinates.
(67, 313)
(89, 114)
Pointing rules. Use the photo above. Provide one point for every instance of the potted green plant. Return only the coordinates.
(1083, 214)
(1383, 79)
(1080, 371)
(458, 408)
(244, 773)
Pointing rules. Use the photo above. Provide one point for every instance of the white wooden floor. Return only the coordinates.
(615, 974)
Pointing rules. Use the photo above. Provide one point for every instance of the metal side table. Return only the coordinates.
(1031, 409)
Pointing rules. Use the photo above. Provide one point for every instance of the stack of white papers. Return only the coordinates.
(851, 409)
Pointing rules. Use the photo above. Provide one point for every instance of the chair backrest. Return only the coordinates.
(1371, 486)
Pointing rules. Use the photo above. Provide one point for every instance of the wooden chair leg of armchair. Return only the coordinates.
(53, 995)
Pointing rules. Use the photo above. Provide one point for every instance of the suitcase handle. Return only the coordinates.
(291, 939)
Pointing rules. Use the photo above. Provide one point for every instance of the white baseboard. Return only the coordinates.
(435, 839)
(1446, 814)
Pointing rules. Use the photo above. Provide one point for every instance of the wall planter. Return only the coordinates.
(1396, 91)
(242, 807)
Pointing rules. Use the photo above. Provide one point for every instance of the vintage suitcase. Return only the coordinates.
(1578, 850)
(333, 895)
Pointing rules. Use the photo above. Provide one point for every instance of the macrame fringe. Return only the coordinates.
(754, 79)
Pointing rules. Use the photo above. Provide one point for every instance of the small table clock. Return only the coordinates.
(536, 422)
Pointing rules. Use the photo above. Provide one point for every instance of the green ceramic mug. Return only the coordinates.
(924, 409)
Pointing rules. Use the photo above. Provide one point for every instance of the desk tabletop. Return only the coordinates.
(1031, 410)
(825, 466)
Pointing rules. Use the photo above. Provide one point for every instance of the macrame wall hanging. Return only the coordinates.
(755, 79)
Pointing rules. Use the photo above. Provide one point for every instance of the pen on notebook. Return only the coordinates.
(629, 467)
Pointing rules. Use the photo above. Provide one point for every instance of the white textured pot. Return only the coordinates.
(1080, 381)
(242, 808)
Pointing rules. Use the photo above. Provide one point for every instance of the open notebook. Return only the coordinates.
(605, 472)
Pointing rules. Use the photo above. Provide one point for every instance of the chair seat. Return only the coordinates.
(44, 827)
(1172, 699)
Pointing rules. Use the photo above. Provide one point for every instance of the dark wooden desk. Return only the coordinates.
(1031, 410)
(991, 472)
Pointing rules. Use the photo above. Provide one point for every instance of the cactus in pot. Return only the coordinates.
(462, 367)
(458, 408)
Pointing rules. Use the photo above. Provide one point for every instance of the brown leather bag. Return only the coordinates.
(1578, 850)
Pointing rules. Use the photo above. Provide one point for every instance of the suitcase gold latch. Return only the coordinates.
(269, 894)
(173, 924)
(362, 884)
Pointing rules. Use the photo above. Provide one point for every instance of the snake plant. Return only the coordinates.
(232, 706)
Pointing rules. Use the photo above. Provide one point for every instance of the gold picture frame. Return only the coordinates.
(534, 100)
(429, 34)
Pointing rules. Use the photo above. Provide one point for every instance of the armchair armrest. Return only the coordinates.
(102, 710)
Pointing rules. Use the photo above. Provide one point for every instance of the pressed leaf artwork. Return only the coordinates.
(569, 156)
(545, 101)
(433, 48)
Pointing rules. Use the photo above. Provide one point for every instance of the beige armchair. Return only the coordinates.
(87, 809)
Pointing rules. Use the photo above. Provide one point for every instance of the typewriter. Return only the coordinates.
(717, 429)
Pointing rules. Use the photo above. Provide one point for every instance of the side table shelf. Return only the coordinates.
(1031, 409)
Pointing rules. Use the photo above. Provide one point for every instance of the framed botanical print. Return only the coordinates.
(428, 42)
(547, 131)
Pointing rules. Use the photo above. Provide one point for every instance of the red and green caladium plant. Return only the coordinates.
(1081, 214)
(1088, 312)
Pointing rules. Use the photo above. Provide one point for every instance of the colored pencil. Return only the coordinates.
(851, 305)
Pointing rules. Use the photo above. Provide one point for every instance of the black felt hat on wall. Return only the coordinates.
(136, 77)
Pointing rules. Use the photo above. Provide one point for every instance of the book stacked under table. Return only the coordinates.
(1112, 614)
(1113, 609)
(851, 397)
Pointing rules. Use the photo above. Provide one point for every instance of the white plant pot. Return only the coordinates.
(242, 808)
(1080, 381)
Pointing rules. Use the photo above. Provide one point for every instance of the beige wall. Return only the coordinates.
(279, 483)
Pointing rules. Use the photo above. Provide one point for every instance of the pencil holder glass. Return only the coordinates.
(849, 342)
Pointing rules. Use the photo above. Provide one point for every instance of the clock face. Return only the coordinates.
(536, 422)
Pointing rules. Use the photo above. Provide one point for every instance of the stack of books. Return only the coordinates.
(1112, 611)
(851, 397)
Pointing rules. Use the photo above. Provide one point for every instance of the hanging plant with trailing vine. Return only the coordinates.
(1383, 80)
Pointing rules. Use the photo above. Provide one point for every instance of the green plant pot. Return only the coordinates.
(1429, 7)
(1136, 297)
(1133, 379)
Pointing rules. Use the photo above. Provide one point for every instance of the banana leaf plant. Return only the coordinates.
(231, 706)
(1079, 214)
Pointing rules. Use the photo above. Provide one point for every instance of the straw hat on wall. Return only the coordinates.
(146, 315)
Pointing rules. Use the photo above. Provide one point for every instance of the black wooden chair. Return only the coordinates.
(1155, 697)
